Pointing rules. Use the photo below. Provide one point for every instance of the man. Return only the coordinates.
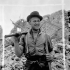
(36, 45)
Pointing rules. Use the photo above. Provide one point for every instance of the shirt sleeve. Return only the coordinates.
(22, 43)
(49, 44)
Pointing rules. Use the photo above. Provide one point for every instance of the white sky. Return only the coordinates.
(13, 10)
(16, 12)
(29, 2)
(0, 14)
(67, 4)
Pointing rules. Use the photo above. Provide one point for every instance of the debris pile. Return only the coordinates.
(51, 25)
(1, 47)
(67, 39)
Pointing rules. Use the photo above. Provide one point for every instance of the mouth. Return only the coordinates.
(36, 25)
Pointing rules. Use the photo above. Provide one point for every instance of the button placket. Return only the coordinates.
(34, 41)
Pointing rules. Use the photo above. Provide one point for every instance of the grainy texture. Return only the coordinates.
(1, 48)
(52, 26)
(67, 42)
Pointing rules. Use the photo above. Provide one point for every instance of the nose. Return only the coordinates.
(37, 22)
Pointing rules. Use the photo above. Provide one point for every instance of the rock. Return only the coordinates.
(1, 48)
(51, 25)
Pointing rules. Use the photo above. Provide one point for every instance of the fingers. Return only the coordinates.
(16, 37)
(48, 57)
(22, 36)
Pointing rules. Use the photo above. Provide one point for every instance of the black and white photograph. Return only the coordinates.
(34, 35)
(29, 2)
(1, 39)
(23, 50)
(67, 33)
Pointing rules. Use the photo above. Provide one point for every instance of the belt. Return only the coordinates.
(37, 58)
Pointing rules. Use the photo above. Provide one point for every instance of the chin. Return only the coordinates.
(36, 27)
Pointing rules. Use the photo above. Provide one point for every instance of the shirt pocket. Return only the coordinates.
(40, 43)
(40, 49)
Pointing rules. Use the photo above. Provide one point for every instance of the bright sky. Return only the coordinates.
(29, 2)
(67, 4)
(13, 10)
(1, 17)
(16, 12)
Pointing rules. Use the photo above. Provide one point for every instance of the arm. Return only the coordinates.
(49, 48)
(18, 46)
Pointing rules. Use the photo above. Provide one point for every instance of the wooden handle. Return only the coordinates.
(47, 51)
(15, 34)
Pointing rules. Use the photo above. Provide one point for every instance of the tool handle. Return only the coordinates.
(15, 34)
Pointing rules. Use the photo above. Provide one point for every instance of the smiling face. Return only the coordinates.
(35, 22)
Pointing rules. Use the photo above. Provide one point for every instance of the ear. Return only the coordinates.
(29, 22)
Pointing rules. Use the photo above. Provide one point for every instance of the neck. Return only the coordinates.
(35, 30)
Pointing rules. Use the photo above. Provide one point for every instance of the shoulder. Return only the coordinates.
(44, 35)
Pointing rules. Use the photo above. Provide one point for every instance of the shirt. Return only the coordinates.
(38, 46)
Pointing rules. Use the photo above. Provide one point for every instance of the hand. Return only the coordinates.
(41, 65)
(49, 57)
(16, 37)
(17, 34)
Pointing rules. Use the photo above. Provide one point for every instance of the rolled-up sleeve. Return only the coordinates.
(21, 41)
(22, 44)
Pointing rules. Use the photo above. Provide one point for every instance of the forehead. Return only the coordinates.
(34, 18)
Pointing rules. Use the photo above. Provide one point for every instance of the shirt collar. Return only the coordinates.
(31, 35)
(39, 32)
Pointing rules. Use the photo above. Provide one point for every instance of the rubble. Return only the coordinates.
(1, 48)
(52, 26)
(67, 42)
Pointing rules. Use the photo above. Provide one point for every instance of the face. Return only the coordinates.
(35, 22)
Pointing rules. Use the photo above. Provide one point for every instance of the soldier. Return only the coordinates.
(36, 45)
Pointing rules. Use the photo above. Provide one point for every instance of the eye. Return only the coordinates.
(36, 21)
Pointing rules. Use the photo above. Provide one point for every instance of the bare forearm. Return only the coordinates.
(18, 50)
